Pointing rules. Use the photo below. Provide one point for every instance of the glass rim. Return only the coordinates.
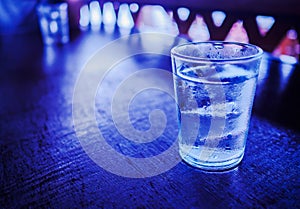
(181, 56)
(47, 5)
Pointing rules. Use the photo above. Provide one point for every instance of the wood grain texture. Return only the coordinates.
(43, 165)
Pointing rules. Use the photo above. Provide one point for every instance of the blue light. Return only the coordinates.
(125, 19)
(109, 15)
(84, 16)
(288, 59)
(95, 14)
(218, 17)
(183, 13)
(134, 7)
(53, 27)
(264, 23)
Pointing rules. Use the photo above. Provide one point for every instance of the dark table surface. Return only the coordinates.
(51, 160)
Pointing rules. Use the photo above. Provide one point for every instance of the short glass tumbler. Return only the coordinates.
(214, 85)
(54, 22)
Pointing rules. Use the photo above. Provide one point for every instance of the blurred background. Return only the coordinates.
(272, 25)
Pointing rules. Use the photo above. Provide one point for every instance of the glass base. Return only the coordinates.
(211, 166)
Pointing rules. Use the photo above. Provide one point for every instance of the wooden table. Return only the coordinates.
(43, 163)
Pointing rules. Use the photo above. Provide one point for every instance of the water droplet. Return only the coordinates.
(214, 156)
(227, 147)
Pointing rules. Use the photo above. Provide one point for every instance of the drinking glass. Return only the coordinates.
(214, 86)
(54, 23)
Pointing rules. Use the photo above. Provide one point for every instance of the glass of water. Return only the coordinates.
(214, 87)
(54, 22)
